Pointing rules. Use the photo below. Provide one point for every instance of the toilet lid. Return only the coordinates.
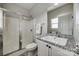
(31, 46)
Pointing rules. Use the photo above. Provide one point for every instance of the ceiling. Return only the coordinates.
(53, 6)
(26, 5)
(31, 5)
(33, 9)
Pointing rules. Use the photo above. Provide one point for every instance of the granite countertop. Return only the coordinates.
(69, 46)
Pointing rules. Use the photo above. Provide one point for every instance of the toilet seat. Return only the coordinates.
(31, 46)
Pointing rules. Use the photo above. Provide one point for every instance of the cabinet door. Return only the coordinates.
(42, 48)
(56, 51)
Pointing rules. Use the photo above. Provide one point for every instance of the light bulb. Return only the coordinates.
(55, 4)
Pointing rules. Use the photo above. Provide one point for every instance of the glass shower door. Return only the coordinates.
(1, 32)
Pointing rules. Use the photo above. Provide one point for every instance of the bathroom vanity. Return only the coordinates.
(48, 48)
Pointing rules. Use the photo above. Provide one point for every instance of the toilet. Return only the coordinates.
(31, 49)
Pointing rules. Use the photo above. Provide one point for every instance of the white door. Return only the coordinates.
(26, 32)
(42, 48)
(10, 35)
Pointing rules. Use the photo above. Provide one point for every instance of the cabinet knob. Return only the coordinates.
(47, 45)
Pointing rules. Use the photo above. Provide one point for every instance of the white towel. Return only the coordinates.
(38, 29)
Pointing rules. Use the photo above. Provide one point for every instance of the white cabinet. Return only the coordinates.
(42, 48)
(56, 51)
(46, 49)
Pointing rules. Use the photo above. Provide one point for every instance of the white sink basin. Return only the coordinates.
(56, 40)
(61, 41)
(48, 37)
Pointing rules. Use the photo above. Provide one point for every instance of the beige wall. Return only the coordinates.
(42, 19)
(76, 23)
(39, 8)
